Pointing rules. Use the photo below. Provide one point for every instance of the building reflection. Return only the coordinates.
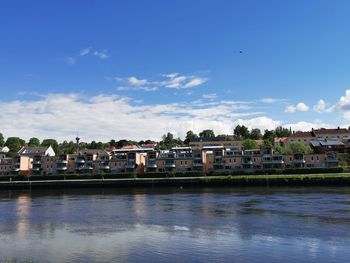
(140, 203)
(23, 206)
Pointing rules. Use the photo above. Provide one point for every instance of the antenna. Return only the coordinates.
(77, 138)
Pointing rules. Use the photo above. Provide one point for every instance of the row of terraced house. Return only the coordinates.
(205, 155)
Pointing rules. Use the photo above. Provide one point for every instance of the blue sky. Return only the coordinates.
(137, 69)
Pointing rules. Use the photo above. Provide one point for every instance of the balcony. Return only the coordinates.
(85, 168)
(197, 165)
(80, 161)
(35, 169)
(106, 167)
(152, 165)
(170, 165)
(130, 166)
(299, 161)
(61, 161)
(63, 168)
(36, 161)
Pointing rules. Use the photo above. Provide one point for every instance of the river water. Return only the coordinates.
(177, 225)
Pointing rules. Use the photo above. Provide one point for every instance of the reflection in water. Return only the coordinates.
(192, 225)
(140, 205)
(23, 209)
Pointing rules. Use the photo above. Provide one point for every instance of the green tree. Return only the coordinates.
(112, 143)
(282, 132)
(122, 143)
(279, 149)
(14, 144)
(34, 142)
(67, 147)
(53, 143)
(207, 134)
(2, 139)
(269, 135)
(241, 132)
(255, 134)
(168, 139)
(190, 135)
(249, 144)
(298, 147)
(96, 145)
(268, 143)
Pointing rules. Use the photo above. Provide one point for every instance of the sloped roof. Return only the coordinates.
(301, 134)
(31, 150)
(330, 131)
(93, 151)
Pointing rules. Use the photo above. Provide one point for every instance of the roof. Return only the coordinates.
(148, 145)
(331, 131)
(110, 148)
(4, 149)
(215, 139)
(280, 139)
(127, 147)
(137, 150)
(31, 150)
(301, 134)
(181, 148)
(93, 151)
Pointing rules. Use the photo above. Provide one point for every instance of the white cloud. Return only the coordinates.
(70, 60)
(171, 81)
(262, 123)
(195, 82)
(320, 106)
(85, 51)
(344, 102)
(271, 100)
(299, 107)
(127, 88)
(137, 82)
(290, 109)
(104, 117)
(302, 107)
(210, 96)
(101, 54)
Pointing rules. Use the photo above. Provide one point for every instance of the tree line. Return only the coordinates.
(240, 132)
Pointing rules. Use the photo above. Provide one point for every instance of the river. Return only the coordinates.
(277, 224)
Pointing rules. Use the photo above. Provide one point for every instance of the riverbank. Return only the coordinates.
(204, 181)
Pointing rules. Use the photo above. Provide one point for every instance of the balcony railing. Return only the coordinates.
(152, 165)
(130, 166)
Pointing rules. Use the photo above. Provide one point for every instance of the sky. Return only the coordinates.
(138, 69)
